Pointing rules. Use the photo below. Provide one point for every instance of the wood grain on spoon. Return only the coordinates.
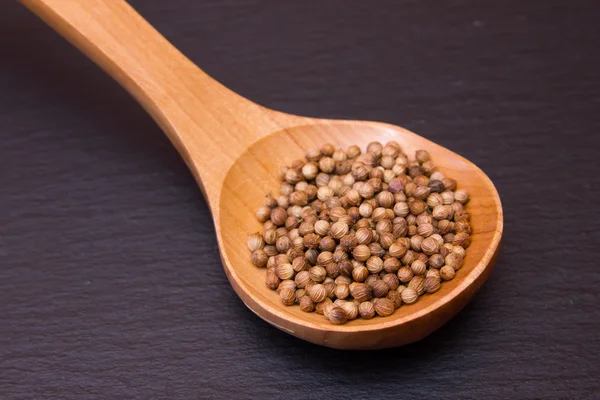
(234, 148)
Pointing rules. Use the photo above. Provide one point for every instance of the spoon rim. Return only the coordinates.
(377, 323)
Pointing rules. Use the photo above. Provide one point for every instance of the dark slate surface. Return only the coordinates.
(110, 281)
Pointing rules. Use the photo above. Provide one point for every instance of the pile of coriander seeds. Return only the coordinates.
(359, 234)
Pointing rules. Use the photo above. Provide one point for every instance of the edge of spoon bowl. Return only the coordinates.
(352, 335)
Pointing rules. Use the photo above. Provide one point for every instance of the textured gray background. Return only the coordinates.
(110, 281)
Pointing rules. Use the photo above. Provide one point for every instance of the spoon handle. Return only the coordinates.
(209, 124)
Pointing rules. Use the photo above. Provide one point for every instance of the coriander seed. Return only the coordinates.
(350, 309)
(359, 274)
(447, 273)
(432, 284)
(361, 253)
(337, 315)
(418, 267)
(360, 291)
(384, 307)
(317, 293)
(287, 296)
(405, 274)
(349, 226)
(259, 258)
(379, 288)
(342, 291)
(409, 295)
(366, 309)
(454, 260)
(306, 304)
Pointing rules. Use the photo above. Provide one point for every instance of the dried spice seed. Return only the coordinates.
(384, 307)
(359, 234)
(306, 304)
(447, 273)
(432, 284)
(409, 296)
(366, 309)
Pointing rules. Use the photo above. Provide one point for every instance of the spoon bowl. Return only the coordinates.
(255, 173)
(235, 147)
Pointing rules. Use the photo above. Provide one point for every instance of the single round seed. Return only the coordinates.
(272, 280)
(360, 291)
(337, 315)
(302, 278)
(391, 265)
(387, 161)
(353, 151)
(462, 196)
(342, 291)
(374, 265)
(432, 284)
(284, 271)
(418, 267)
(376, 250)
(332, 269)
(397, 250)
(283, 244)
(438, 238)
(338, 230)
(380, 288)
(429, 246)
(317, 293)
(447, 273)
(405, 274)
(263, 214)
(270, 251)
(259, 258)
(366, 191)
(317, 273)
(321, 227)
(454, 260)
(421, 192)
(366, 309)
(409, 296)
(384, 307)
(287, 296)
(436, 261)
(351, 309)
(425, 230)
(422, 156)
(327, 149)
(327, 244)
(417, 283)
(306, 304)
(270, 236)
(255, 242)
(359, 274)
(361, 253)
(384, 226)
(325, 258)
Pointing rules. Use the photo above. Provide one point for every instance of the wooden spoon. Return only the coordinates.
(234, 148)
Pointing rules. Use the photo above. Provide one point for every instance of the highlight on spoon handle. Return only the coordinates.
(209, 124)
